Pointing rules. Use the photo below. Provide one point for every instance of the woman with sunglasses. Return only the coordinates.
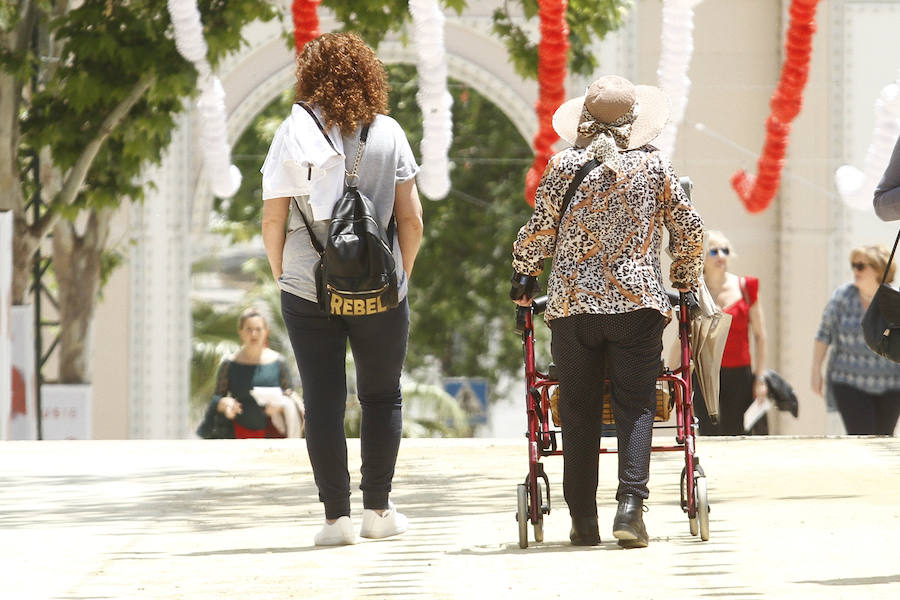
(864, 386)
(738, 386)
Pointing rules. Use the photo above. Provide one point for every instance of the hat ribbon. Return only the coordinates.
(609, 138)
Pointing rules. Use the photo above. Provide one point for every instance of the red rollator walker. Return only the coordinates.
(545, 438)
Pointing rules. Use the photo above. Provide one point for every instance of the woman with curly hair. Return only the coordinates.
(342, 93)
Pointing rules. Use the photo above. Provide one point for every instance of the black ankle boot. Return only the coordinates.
(628, 526)
(585, 531)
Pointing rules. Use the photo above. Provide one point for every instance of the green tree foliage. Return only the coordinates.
(93, 89)
(588, 21)
(106, 47)
(373, 20)
(461, 313)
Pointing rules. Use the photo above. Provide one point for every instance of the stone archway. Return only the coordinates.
(172, 223)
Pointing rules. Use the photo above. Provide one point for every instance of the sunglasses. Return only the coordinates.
(714, 252)
(858, 266)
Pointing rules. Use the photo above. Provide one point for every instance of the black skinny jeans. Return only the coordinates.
(378, 343)
(735, 397)
(867, 414)
(630, 346)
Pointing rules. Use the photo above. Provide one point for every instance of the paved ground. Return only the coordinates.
(791, 518)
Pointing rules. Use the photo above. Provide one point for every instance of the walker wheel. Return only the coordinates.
(539, 524)
(702, 507)
(522, 514)
(686, 498)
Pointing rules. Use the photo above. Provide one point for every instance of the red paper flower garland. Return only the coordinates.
(306, 22)
(551, 86)
(757, 192)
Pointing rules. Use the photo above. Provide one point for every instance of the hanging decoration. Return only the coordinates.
(757, 192)
(552, 48)
(433, 98)
(857, 187)
(674, 60)
(306, 22)
(224, 177)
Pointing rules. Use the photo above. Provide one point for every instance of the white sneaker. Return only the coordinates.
(339, 533)
(375, 526)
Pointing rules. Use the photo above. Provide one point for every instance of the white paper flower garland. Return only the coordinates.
(674, 61)
(433, 98)
(224, 177)
(857, 187)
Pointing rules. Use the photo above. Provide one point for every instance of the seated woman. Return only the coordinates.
(233, 411)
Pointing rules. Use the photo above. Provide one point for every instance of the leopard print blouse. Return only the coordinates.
(606, 260)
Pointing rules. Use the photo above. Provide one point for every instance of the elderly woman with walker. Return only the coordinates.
(607, 305)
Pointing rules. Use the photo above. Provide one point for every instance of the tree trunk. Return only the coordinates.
(24, 247)
(10, 187)
(11, 198)
(13, 41)
(76, 262)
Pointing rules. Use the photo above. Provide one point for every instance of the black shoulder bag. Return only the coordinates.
(527, 285)
(881, 322)
(573, 187)
(356, 273)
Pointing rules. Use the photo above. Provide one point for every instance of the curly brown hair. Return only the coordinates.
(341, 75)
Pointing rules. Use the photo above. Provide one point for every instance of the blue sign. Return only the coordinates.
(471, 394)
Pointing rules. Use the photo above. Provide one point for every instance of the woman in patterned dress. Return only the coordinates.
(607, 303)
(864, 386)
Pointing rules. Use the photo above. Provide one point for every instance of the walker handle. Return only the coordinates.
(521, 311)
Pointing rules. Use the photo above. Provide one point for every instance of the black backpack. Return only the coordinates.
(356, 273)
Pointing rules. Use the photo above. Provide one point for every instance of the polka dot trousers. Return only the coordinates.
(588, 348)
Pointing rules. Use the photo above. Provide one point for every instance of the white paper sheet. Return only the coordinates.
(266, 395)
(755, 412)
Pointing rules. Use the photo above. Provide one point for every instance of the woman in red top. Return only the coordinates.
(737, 296)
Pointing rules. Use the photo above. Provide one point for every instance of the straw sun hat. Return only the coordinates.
(607, 99)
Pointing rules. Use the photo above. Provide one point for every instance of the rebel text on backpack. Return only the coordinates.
(356, 274)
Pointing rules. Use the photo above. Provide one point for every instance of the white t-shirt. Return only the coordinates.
(387, 160)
